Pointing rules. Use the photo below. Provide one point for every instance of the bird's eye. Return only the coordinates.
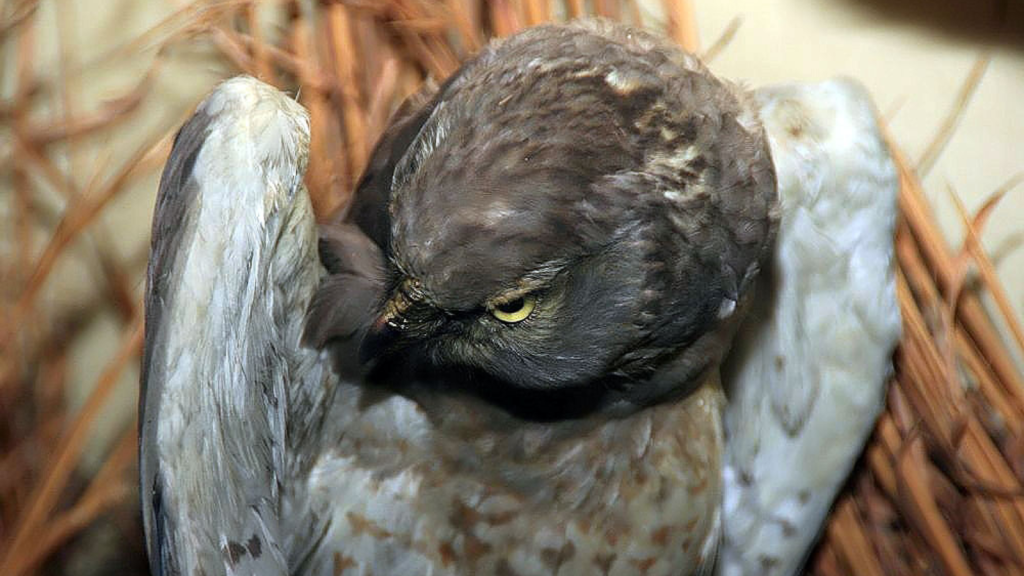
(516, 310)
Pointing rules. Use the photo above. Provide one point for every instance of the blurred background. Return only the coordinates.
(92, 90)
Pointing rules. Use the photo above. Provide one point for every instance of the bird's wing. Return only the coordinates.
(233, 255)
(807, 376)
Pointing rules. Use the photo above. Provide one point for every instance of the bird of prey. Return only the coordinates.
(503, 358)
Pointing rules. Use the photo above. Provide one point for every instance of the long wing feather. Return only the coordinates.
(177, 192)
(233, 256)
(806, 378)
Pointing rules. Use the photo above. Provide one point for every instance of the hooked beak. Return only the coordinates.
(389, 331)
(379, 339)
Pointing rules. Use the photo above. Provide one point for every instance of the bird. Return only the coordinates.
(502, 358)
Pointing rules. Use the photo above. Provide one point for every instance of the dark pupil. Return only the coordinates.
(511, 307)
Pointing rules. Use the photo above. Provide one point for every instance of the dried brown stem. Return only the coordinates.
(723, 41)
(973, 245)
(78, 216)
(108, 487)
(353, 117)
(682, 24)
(65, 456)
(948, 126)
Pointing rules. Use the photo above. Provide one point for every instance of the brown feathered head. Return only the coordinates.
(579, 207)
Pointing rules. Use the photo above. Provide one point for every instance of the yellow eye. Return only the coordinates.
(516, 310)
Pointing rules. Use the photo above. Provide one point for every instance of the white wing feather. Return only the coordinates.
(807, 377)
(233, 257)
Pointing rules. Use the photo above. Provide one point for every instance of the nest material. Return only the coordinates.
(939, 489)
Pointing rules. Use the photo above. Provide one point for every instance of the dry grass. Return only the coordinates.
(939, 489)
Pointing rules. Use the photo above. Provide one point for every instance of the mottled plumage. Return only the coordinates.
(633, 193)
(503, 359)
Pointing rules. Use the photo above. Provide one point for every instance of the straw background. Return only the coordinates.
(939, 490)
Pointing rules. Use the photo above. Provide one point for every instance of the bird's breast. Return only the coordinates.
(408, 491)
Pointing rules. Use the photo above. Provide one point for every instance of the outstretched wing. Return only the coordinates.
(807, 376)
(233, 255)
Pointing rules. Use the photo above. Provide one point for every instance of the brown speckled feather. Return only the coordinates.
(442, 485)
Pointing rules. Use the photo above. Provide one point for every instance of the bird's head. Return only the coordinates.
(578, 206)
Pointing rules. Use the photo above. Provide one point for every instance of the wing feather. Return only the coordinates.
(807, 377)
(177, 192)
(232, 255)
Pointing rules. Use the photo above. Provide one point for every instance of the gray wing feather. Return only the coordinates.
(233, 258)
(176, 193)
